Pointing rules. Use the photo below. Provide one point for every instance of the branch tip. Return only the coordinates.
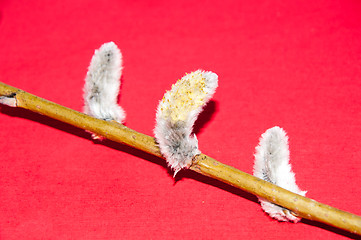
(9, 100)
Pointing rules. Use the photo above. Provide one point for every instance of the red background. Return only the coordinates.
(296, 65)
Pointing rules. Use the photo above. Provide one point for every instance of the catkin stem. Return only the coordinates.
(301, 206)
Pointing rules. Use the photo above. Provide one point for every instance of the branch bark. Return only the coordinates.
(205, 165)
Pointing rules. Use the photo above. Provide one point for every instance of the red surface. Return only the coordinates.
(295, 64)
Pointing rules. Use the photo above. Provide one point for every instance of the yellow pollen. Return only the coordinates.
(186, 95)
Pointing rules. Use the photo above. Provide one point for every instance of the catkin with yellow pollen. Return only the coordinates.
(176, 114)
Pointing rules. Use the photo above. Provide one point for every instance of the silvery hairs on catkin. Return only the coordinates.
(272, 165)
(102, 84)
(176, 114)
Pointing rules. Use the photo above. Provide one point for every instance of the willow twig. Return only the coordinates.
(299, 205)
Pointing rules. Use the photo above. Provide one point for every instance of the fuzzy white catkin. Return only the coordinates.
(176, 114)
(272, 165)
(102, 84)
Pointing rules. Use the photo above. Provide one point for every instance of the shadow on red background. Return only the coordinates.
(204, 117)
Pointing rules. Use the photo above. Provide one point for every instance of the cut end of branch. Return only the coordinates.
(9, 100)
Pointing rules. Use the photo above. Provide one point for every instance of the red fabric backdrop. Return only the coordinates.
(294, 64)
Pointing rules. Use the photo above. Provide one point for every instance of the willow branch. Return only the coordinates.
(299, 205)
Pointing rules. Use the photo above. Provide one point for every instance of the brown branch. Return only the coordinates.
(301, 206)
